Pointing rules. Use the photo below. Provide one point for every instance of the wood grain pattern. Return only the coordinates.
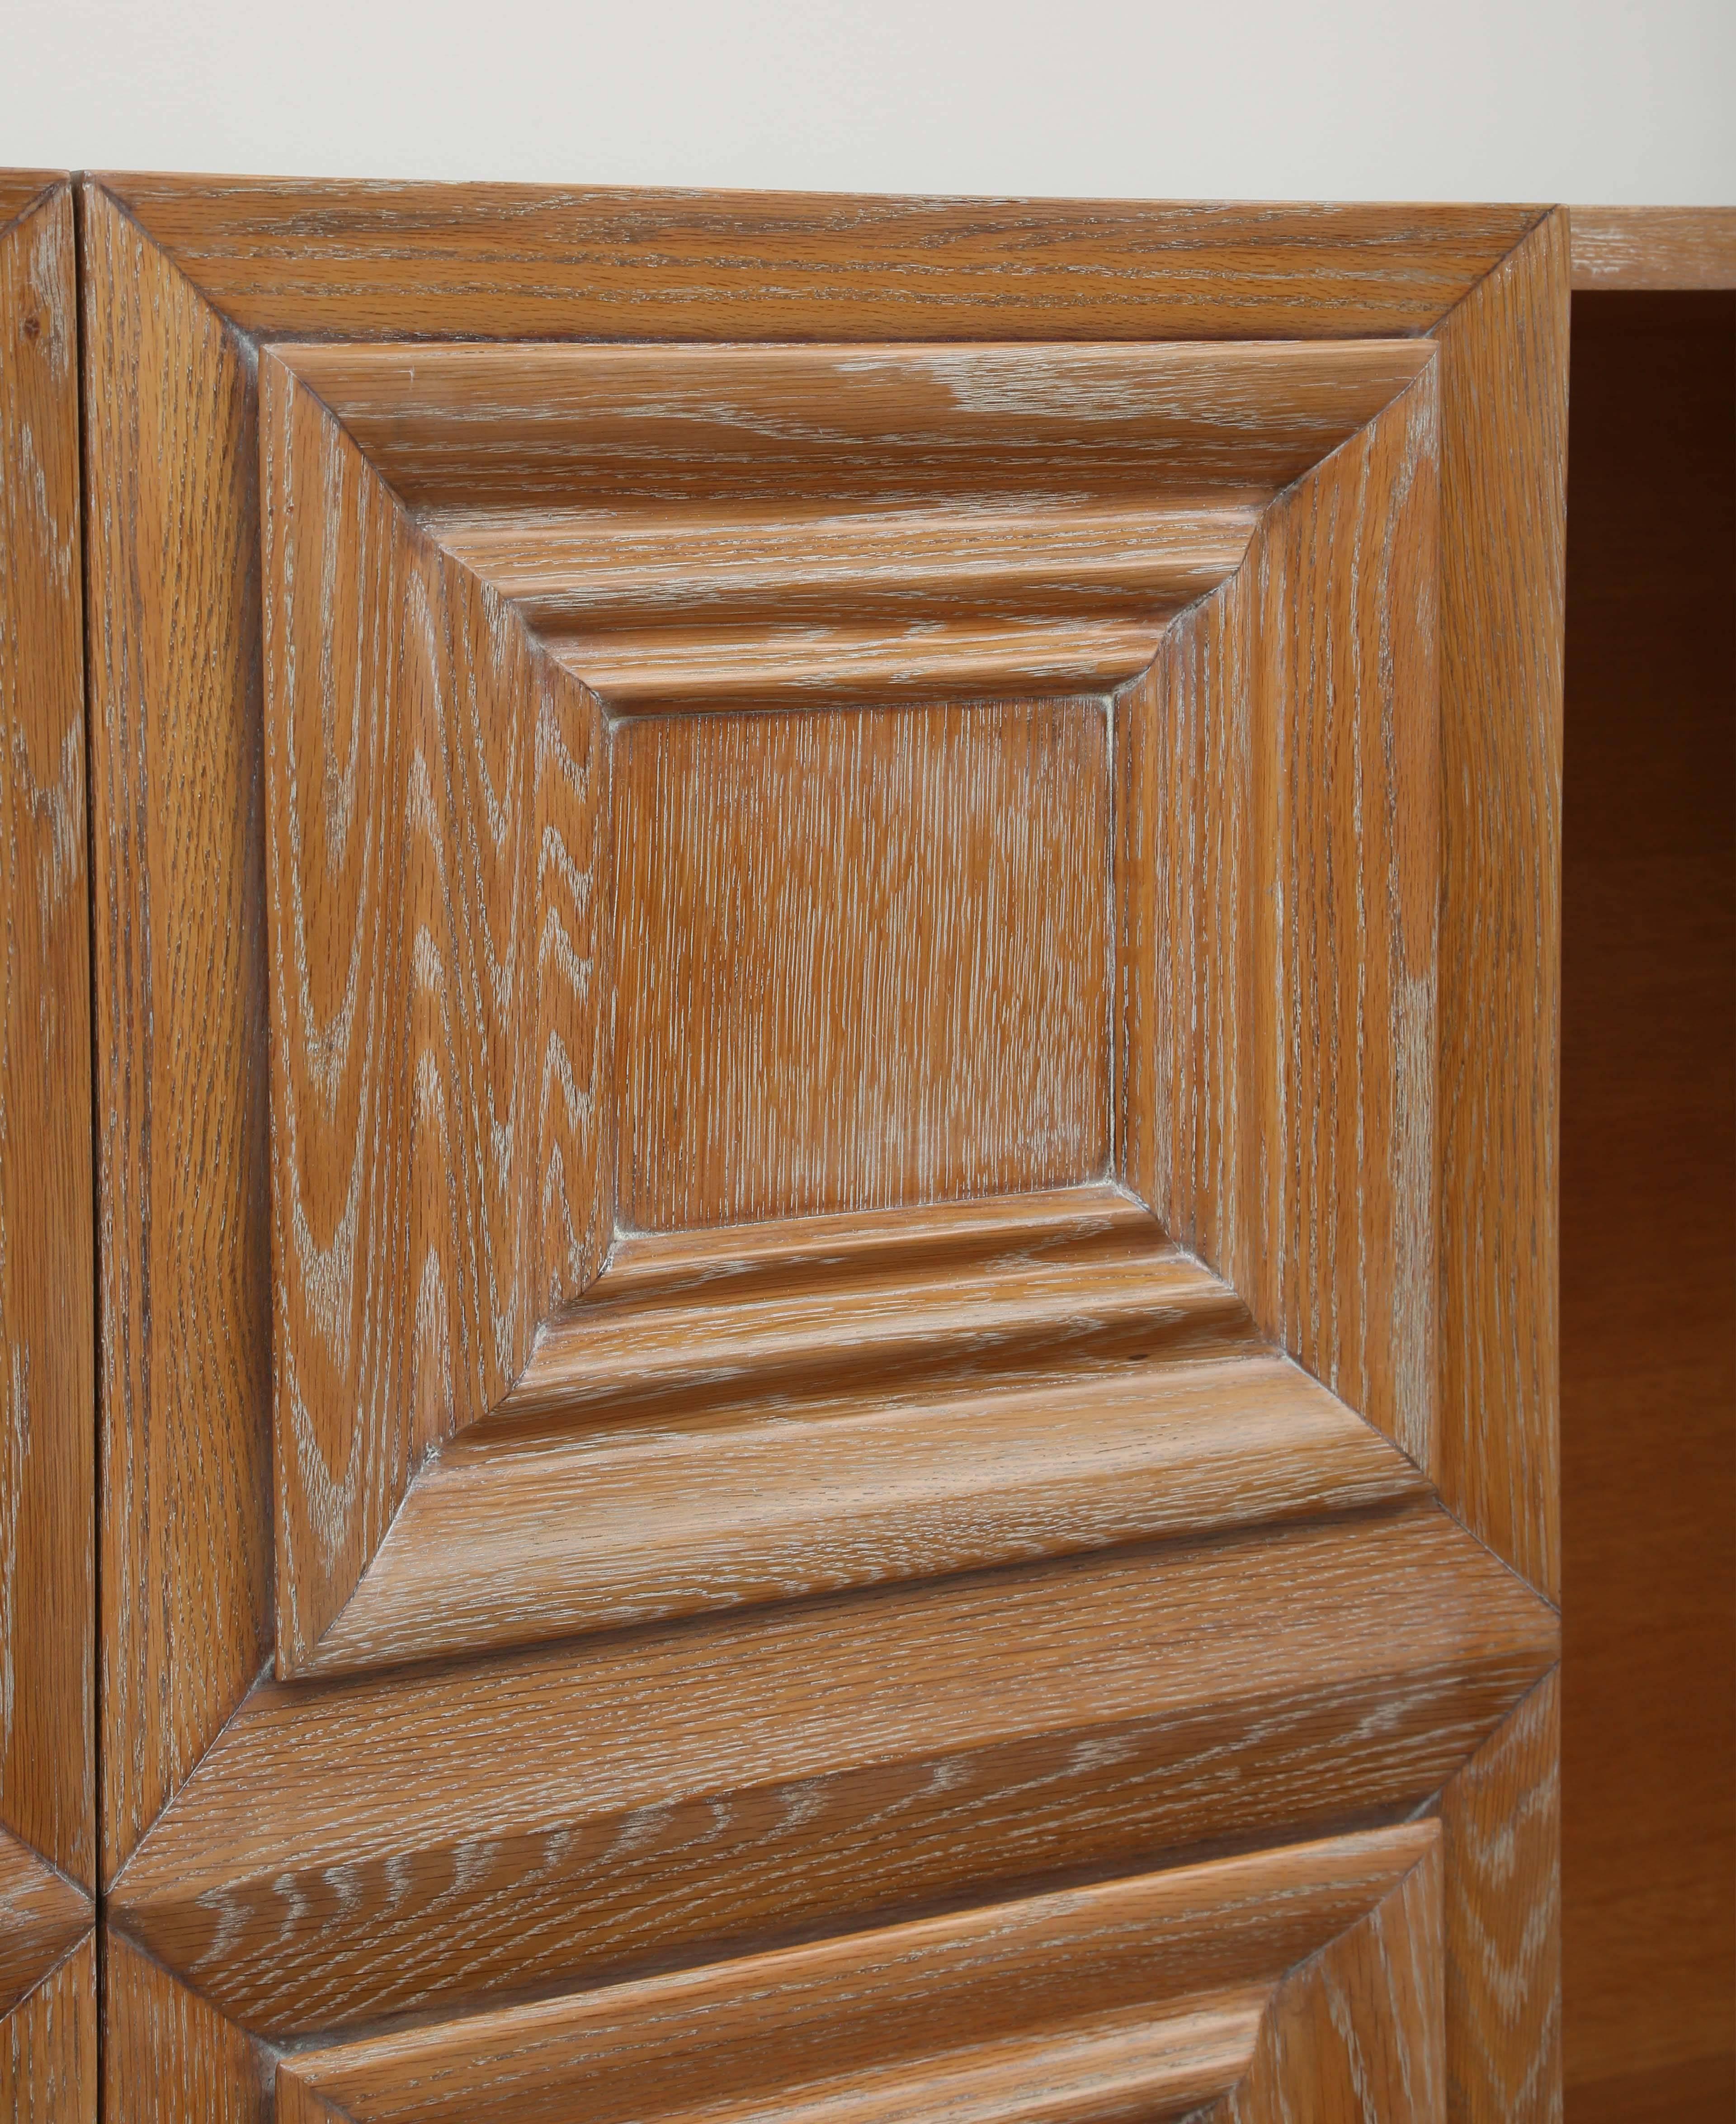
(665, 1797)
(1503, 481)
(1648, 1150)
(47, 1323)
(863, 959)
(515, 262)
(22, 190)
(418, 1841)
(41, 1913)
(849, 1401)
(707, 526)
(1277, 820)
(1653, 247)
(436, 791)
(170, 2058)
(180, 1034)
(1501, 1825)
(1356, 2034)
(48, 2046)
(1133, 1999)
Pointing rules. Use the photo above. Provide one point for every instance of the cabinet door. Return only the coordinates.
(47, 1968)
(825, 978)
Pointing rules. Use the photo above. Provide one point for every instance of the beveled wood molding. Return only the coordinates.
(1139, 1999)
(1359, 2031)
(1653, 247)
(680, 1795)
(280, 258)
(424, 1241)
(48, 2044)
(42, 1913)
(21, 191)
(701, 526)
(756, 1414)
(48, 1845)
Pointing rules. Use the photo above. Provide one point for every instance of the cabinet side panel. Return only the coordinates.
(1503, 493)
(47, 1336)
(179, 991)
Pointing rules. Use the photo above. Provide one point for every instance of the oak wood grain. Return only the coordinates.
(47, 2046)
(715, 1787)
(441, 1840)
(1501, 1832)
(1133, 1998)
(703, 526)
(745, 1415)
(169, 2056)
(1653, 247)
(1276, 865)
(863, 959)
(1504, 482)
(1356, 2033)
(42, 1912)
(47, 1320)
(22, 190)
(483, 261)
(438, 898)
(178, 986)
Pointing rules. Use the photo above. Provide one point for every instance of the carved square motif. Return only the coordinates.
(716, 786)
(863, 958)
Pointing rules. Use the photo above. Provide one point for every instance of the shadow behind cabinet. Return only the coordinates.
(1648, 1204)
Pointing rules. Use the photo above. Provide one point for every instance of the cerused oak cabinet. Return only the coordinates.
(778, 1156)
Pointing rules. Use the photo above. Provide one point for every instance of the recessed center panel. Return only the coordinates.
(862, 957)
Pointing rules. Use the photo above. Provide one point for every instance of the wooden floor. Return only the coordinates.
(1648, 1214)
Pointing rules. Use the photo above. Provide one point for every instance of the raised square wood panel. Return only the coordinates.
(48, 1814)
(852, 941)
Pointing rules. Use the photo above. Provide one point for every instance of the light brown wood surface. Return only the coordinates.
(787, 892)
(21, 189)
(464, 261)
(41, 1915)
(178, 985)
(1504, 491)
(47, 1326)
(1357, 2030)
(47, 2046)
(863, 959)
(685, 1793)
(1648, 1152)
(1135, 1998)
(709, 1429)
(48, 1767)
(436, 858)
(457, 846)
(1654, 246)
(1278, 816)
(1501, 1825)
(716, 526)
(171, 2057)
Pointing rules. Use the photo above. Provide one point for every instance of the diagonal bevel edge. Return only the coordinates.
(39, 1907)
(1436, 1647)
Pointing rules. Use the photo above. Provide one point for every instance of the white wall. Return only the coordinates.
(1592, 100)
